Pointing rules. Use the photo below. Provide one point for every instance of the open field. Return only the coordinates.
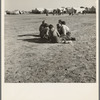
(29, 60)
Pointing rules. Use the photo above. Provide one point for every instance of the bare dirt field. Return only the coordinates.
(30, 60)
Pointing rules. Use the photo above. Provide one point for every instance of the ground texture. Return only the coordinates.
(30, 60)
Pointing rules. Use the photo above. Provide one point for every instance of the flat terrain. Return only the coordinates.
(30, 60)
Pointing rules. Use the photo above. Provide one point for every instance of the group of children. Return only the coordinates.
(48, 32)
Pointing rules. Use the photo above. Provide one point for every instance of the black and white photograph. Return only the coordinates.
(50, 41)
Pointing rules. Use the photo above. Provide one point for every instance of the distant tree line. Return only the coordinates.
(90, 10)
(58, 11)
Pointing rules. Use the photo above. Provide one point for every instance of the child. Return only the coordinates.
(53, 34)
(41, 29)
(66, 34)
(46, 31)
(59, 25)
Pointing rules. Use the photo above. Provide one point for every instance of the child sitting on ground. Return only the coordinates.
(46, 31)
(66, 34)
(41, 29)
(59, 27)
(53, 34)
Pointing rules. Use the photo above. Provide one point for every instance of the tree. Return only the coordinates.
(36, 11)
(93, 9)
(45, 11)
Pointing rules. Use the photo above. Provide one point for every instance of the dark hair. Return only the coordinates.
(46, 25)
(43, 21)
(59, 20)
(63, 22)
(50, 26)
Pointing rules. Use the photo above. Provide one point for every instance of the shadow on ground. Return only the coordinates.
(28, 35)
(35, 40)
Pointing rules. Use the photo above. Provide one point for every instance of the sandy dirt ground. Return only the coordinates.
(30, 60)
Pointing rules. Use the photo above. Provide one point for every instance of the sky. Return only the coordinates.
(31, 4)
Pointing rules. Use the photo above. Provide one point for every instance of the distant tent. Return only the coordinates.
(16, 12)
(40, 10)
(79, 10)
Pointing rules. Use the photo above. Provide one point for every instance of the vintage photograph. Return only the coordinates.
(50, 41)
